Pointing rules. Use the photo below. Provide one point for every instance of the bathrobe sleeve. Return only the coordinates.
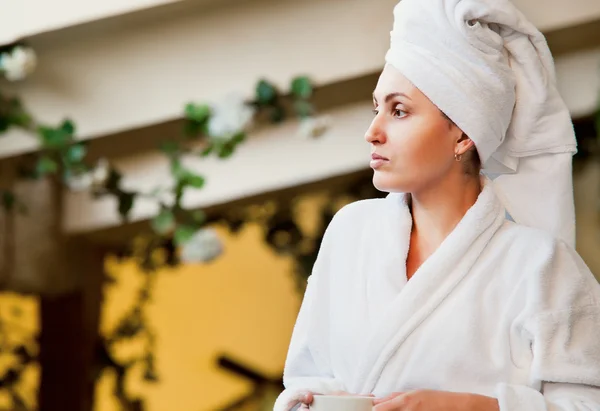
(307, 367)
(563, 328)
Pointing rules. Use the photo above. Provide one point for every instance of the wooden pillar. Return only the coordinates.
(69, 338)
(67, 274)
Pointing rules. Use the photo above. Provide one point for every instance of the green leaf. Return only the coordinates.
(179, 188)
(209, 148)
(17, 115)
(192, 129)
(177, 169)
(197, 112)
(226, 150)
(53, 138)
(57, 137)
(199, 217)
(12, 113)
(4, 124)
(194, 180)
(266, 93)
(21, 119)
(303, 108)
(185, 176)
(277, 114)
(68, 127)
(302, 87)
(183, 234)
(8, 200)
(238, 138)
(125, 204)
(164, 222)
(76, 153)
(46, 165)
(170, 148)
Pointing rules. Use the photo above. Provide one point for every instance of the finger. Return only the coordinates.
(394, 404)
(300, 397)
(388, 398)
(398, 403)
(307, 398)
(385, 406)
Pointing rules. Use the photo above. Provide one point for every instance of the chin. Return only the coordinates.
(388, 184)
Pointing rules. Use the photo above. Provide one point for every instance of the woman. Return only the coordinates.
(457, 292)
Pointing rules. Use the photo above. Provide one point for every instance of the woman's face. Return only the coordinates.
(412, 143)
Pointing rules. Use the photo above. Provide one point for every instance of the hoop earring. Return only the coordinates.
(457, 156)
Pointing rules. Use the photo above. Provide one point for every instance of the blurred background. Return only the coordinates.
(167, 170)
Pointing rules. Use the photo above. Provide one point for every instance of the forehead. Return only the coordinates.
(392, 81)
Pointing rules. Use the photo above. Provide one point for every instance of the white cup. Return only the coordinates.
(341, 403)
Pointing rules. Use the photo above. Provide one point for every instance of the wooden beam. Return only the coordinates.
(271, 159)
(113, 77)
(566, 40)
(144, 139)
(138, 70)
(118, 237)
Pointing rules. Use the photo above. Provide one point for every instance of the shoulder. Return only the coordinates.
(360, 209)
(357, 214)
(525, 241)
(553, 273)
(343, 235)
(355, 222)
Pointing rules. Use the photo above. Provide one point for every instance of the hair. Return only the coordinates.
(470, 160)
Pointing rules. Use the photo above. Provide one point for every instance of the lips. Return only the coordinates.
(376, 156)
(378, 161)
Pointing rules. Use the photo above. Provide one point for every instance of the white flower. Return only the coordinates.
(94, 178)
(80, 182)
(18, 63)
(314, 126)
(229, 117)
(204, 246)
(101, 172)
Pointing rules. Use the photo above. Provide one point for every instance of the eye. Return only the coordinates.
(399, 113)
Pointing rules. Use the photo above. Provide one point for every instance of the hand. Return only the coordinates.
(428, 400)
(306, 398)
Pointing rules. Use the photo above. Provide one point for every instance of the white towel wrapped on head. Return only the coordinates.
(491, 72)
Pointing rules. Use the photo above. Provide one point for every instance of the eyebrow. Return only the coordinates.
(391, 96)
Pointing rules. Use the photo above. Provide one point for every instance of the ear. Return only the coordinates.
(463, 144)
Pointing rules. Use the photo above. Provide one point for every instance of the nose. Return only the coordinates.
(375, 133)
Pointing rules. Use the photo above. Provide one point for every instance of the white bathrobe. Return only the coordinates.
(499, 309)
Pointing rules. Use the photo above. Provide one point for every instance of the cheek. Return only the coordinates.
(424, 144)
(425, 154)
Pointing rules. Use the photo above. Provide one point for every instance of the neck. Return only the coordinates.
(437, 210)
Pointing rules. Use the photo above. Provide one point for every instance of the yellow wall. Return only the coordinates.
(19, 321)
(244, 304)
